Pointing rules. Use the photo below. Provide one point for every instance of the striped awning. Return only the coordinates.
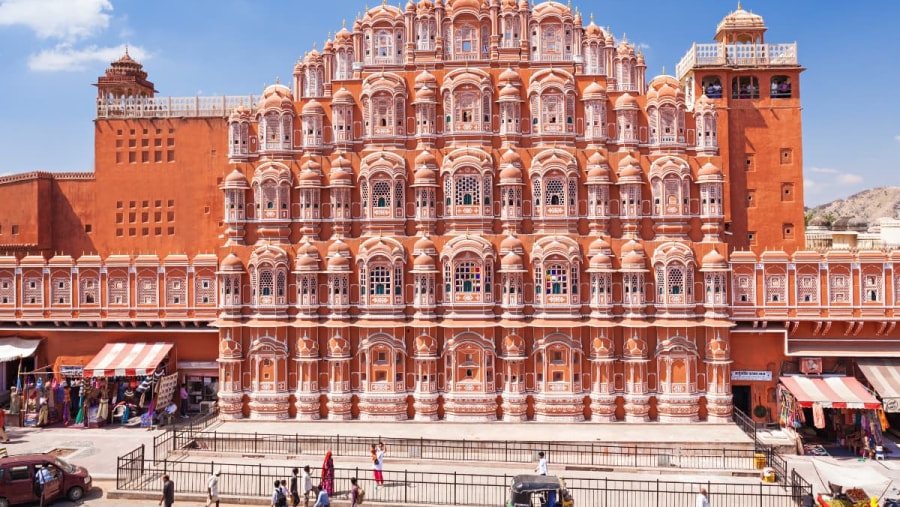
(830, 392)
(127, 359)
(884, 375)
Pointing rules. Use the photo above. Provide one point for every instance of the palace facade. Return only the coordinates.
(469, 210)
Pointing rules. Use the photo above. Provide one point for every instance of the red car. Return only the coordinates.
(18, 479)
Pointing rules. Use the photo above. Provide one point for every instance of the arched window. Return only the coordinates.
(314, 82)
(379, 280)
(468, 280)
(465, 42)
(425, 33)
(745, 87)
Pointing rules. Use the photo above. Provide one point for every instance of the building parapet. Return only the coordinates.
(736, 55)
(172, 107)
(39, 175)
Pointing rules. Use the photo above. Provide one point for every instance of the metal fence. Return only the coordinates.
(167, 442)
(590, 454)
(412, 487)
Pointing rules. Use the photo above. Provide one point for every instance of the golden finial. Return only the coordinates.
(344, 23)
(315, 46)
(739, 5)
(664, 67)
(383, 4)
(624, 37)
(592, 18)
(277, 81)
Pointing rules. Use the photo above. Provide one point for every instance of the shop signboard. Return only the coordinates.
(751, 375)
(71, 371)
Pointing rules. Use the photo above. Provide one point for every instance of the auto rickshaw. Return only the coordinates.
(538, 491)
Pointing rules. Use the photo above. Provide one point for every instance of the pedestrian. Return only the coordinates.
(168, 492)
(328, 474)
(279, 495)
(295, 484)
(41, 479)
(702, 498)
(3, 426)
(43, 411)
(184, 401)
(375, 471)
(542, 468)
(322, 497)
(306, 481)
(354, 492)
(212, 488)
(379, 465)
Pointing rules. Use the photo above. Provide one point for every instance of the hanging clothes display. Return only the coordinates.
(818, 416)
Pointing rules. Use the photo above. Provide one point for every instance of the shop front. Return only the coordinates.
(201, 378)
(125, 380)
(832, 415)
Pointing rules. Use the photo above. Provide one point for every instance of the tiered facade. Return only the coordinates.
(466, 210)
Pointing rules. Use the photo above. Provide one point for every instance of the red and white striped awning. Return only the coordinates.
(830, 392)
(127, 359)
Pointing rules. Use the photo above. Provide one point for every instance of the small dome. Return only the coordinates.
(426, 95)
(236, 179)
(667, 91)
(511, 156)
(425, 78)
(231, 262)
(713, 259)
(338, 346)
(626, 101)
(307, 262)
(511, 244)
(307, 347)
(424, 176)
(709, 169)
(426, 346)
(424, 261)
(426, 158)
(342, 96)
(338, 247)
(635, 347)
(313, 107)
(718, 349)
(424, 245)
(511, 260)
(593, 30)
(509, 76)
(819, 221)
(594, 89)
(309, 177)
(509, 92)
(597, 159)
(511, 172)
(456, 5)
(601, 261)
(514, 346)
(598, 172)
(599, 245)
(338, 263)
(602, 347)
(343, 35)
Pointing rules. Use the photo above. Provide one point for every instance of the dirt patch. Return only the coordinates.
(61, 452)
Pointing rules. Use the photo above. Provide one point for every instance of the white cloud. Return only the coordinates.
(64, 57)
(644, 46)
(849, 179)
(897, 138)
(66, 20)
(823, 170)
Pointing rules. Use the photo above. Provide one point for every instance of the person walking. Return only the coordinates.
(184, 401)
(279, 495)
(374, 453)
(307, 485)
(295, 484)
(541, 468)
(379, 466)
(354, 492)
(702, 498)
(328, 474)
(322, 497)
(3, 426)
(212, 488)
(168, 492)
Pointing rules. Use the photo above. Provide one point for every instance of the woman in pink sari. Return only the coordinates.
(328, 474)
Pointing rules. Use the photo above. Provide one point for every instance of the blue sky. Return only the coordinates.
(52, 50)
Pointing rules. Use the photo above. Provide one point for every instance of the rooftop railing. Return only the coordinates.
(737, 55)
(172, 107)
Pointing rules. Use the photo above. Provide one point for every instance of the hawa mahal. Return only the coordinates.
(470, 210)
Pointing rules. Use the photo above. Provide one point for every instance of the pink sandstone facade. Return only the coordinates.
(467, 210)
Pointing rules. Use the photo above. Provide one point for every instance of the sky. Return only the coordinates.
(51, 51)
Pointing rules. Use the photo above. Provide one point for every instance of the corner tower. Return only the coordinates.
(754, 87)
(125, 77)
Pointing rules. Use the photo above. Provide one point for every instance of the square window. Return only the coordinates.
(157, 216)
(170, 156)
(131, 132)
(119, 132)
(158, 131)
(170, 216)
(118, 158)
(119, 232)
(119, 204)
(88, 228)
(157, 231)
(157, 142)
(132, 204)
(171, 231)
(118, 143)
(145, 142)
(145, 217)
(145, 231)
(145, 131)
(157, 203)
(132, 157)
(171, 131)
(157, 156)
(132, 231)
(170, 203)
(170, 142)
(132, 143)
(15, 229)
(132, 217)
(145, 156)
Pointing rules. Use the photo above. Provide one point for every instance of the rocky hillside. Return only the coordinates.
(869, 205)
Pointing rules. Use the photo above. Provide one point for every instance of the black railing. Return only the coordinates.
(168, 441)
(558, 453)
(452, 488)
(130, 467)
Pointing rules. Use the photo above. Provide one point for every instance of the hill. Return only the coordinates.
(869, 205)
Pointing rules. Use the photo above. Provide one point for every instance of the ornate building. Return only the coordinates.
(466, 210)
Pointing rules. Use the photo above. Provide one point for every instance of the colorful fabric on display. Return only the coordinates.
(818, 416)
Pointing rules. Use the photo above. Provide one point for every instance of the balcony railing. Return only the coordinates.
(702, 55)
(172, 107)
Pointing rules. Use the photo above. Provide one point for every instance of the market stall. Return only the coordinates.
(833, 415)
(123, 380)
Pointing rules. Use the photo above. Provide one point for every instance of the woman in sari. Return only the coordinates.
(328, 474)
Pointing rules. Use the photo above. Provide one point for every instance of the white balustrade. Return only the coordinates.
(172, 107)
(736, 55)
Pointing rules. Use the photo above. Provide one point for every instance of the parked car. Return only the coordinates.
(544, 490)
(18, 473)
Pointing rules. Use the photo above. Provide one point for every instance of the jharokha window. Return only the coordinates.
(468, 280)
(556, 282)
(382, 198)
(467, 193)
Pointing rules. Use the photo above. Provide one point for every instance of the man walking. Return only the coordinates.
(168, 492)
(3, 426)
(702, 498)
(542, 468)
(184, 401)
(295, 485)
(212, 488)
(322, 497)
(306, 481)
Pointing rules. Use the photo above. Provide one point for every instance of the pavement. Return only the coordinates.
(97, 450)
